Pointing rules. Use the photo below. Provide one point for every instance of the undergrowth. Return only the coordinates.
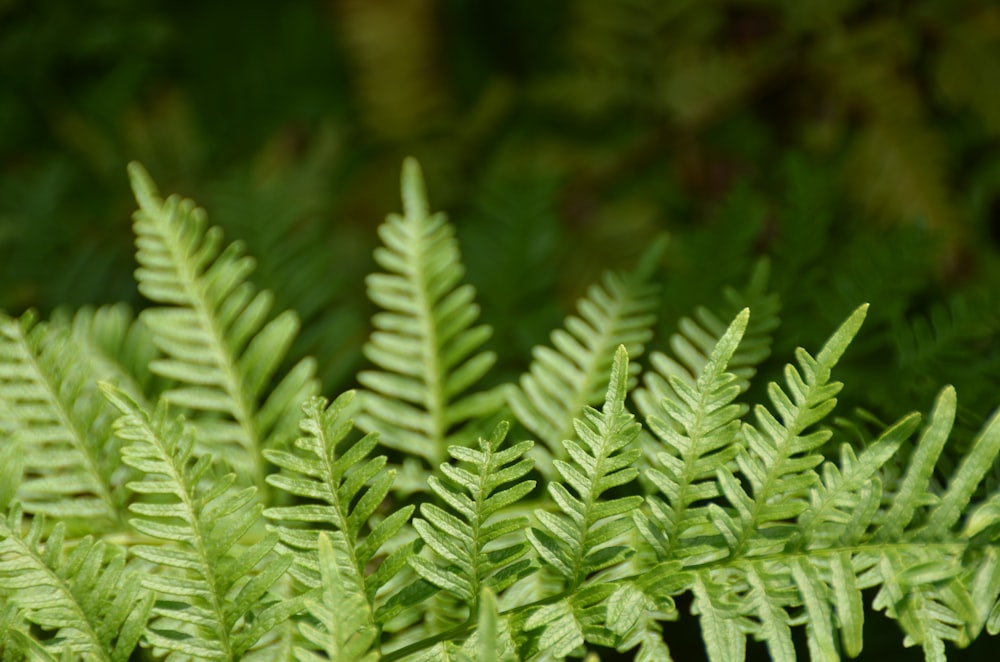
(176, 487)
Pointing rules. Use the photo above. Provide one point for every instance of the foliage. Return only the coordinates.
(159, 504)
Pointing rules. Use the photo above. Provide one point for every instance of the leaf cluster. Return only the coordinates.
(173, 490)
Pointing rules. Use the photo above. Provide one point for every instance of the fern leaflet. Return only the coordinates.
(779, 459)
(346, 488)
(343, 608)
(578, 542)
(53, 413)
(697, 425)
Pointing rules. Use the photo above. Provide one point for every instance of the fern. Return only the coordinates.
(425, 342)
(766, 523)
(214, 329)
(342, 610)
(578, 543)
(345, 488)
(83, 593)
(778, 460)
(572, 375)
(471, 541)
(53, 413)
(697, 427)
(213, 603)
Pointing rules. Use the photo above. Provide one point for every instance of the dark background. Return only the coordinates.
(853, 145)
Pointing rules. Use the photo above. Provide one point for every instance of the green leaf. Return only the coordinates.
(425, 345)
(211, 588)
(83, 600)
(342, 608)
(575, 543)
(222, 346)
(475, 542)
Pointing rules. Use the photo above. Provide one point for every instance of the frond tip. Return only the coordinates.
(425, 343)
(471, 541)
(221, 345)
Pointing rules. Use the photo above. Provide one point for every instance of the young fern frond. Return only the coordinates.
(51, 410)
(579, 542)
(342, 608)
(573, 374)
(214, 328)
(425, 344)
(213, 596)
(472, 541)
(698, 426)
(778, 460)
(81, 593)
(346, 487)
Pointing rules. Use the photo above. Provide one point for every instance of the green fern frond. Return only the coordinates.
(51, 410)
(213, 599)
(913, 491)
(213, 327)
(573, 374)
(575, 542)
(698, 425)
(472, 541)
(425, 343)
(580, 542)
(778, 460)
(345, 488)
(79, 591)
(343, 608)
(492, 641)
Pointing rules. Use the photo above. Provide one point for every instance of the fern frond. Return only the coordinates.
(574, 543)
(53, 413)
(697, 424)
(345, 488)
(213, 596)
(778, 460)
(425, 343)
(95, 607)
(214, 328)
(471, 540)
(964, 481)
(579, 542)
(923, 593)
(343, 608)
(914, 491)
(573, 374)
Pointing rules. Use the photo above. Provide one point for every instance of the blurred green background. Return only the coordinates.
(852, 145)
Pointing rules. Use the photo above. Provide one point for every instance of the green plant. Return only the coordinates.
(161, 505)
